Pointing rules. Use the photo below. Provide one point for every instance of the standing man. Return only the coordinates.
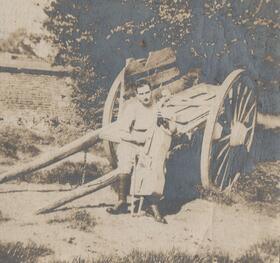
(138, 123)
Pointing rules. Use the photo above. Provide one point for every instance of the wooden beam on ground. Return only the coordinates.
(51, 157)
(84, 190)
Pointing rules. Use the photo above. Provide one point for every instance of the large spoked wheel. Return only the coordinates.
(112, 108)
(229, 132)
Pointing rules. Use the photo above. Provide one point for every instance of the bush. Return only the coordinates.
(258, 189)
(80, 220)
(262, 184)
(20, 42)
(215, 195)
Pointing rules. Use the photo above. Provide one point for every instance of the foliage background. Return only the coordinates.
(96, 37)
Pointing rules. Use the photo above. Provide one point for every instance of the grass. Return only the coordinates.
(66, 133)
(267, 251)
(20, 253)
(80, 220)
(18, 143)
(137, 256)
(67, 172)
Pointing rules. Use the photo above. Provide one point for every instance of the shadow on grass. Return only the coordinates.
(82, 207)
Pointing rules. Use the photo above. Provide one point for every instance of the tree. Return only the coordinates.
(72, 31)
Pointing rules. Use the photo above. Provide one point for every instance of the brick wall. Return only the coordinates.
(30, 96)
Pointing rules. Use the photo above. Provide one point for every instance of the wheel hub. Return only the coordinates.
(238, 134)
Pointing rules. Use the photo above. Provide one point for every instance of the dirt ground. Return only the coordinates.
(199, 226)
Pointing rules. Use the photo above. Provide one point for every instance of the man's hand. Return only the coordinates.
(166, 120)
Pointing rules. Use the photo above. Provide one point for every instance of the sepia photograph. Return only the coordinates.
(140, 131)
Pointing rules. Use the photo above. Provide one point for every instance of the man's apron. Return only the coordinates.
(149, 172)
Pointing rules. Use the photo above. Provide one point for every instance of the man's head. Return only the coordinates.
(144, 93)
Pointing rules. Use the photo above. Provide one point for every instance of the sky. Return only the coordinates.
(26, 14)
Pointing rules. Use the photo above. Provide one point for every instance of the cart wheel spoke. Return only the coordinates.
(225, 175)
(243, 107)
(225, 148)
(241, 102)
(236, 108)
(234, 102)
(246, 117)
(224, 161)
(218, 172)
(225, 138)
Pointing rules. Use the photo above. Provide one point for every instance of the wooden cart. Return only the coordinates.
(226, 113)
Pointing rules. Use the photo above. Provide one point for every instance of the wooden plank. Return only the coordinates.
(189, 111)
(84, 190)
(163, 76)
(160, 58)
(156, 59)
(192, 114)
(134, 66)
(200, 99)
(194, 91)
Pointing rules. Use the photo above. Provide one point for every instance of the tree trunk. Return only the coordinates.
(82, 191)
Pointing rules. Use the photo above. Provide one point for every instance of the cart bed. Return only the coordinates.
(192, 106)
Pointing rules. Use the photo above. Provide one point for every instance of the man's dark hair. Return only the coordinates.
(141, 83)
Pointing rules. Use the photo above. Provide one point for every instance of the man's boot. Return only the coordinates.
(154, 200)
(122, 206)
(157, 216)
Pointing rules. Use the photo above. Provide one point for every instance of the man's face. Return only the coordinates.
(144, 95)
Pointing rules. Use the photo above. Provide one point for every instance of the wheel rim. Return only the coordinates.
(229, 133)
(111, 113)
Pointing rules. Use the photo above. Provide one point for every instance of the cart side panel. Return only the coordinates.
(193, 104)
(159, 70)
